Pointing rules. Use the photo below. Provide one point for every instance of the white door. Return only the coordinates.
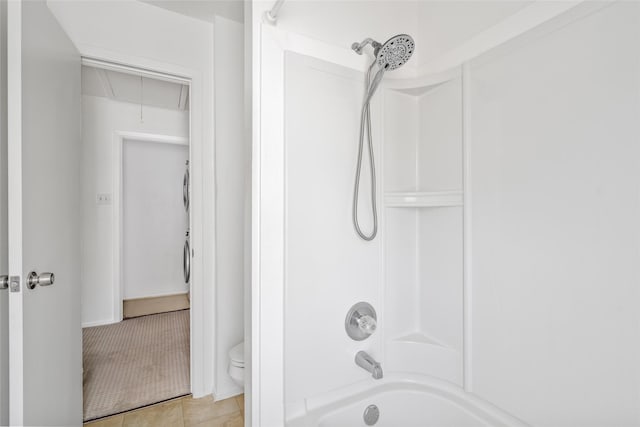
(44, 110)
(4, 248)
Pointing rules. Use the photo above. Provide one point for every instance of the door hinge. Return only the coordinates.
(14, 284)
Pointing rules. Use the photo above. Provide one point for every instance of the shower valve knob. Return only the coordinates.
(361, 321)
(367, 324)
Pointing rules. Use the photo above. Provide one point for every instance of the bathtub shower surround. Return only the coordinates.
(503, 269)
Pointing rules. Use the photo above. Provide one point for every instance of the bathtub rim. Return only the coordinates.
(318, 407)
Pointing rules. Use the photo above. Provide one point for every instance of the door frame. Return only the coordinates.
(119, 138)
(201, 343)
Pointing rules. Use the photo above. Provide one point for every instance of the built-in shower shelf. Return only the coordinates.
(429, 199)
(419, 338)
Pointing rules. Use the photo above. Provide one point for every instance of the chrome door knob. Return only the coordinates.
(4, 282)
(43, 279)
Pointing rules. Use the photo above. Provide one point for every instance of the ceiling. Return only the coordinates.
(445, 25)
(205, 10)
(438, 26)
(134, 89)
(441, 28)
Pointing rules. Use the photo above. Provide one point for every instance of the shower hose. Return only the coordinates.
(365, 127)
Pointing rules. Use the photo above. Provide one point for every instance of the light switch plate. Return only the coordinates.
(103, 198)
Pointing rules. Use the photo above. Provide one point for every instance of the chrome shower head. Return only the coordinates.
(395, 52)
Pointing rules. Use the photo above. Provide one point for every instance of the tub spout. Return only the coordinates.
(369, 364)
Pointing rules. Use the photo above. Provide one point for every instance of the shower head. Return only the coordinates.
(395, 52)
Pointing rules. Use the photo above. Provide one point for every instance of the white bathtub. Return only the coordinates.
(403, 401)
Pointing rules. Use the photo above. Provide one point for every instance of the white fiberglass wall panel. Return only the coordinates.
(401, 123)
(439, 154)
(555, 192)
(328, 267)
(440, 272)
(402, 309)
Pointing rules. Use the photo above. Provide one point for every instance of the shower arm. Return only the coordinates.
(357, 47)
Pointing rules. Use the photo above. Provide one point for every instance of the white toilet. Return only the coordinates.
(236, 364)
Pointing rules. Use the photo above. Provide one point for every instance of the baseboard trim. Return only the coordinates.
(227, 395)
(98, 323)
(166, 294)
(137, 307)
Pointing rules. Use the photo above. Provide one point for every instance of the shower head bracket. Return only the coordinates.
(358, 47)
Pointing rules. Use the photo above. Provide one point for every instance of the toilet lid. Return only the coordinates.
(236, 354)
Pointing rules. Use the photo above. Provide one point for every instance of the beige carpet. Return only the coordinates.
(135, 363)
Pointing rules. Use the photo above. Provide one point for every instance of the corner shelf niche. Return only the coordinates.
(423, 220)
(419, 338)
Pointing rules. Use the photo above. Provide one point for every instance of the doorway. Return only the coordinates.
(135, 264)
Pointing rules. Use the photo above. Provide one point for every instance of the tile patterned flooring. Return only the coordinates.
(181, 412)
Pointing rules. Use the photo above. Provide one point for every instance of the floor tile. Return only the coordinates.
(197, 411)
(115, 421)
(240, 402)
(231, 420)
(167, 414)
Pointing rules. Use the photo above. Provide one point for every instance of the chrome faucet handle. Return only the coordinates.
(366, 323)
(361, 321)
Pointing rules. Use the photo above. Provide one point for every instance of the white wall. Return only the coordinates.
(154, 218)
(230, 197)
(101, 118)
(554, 153)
